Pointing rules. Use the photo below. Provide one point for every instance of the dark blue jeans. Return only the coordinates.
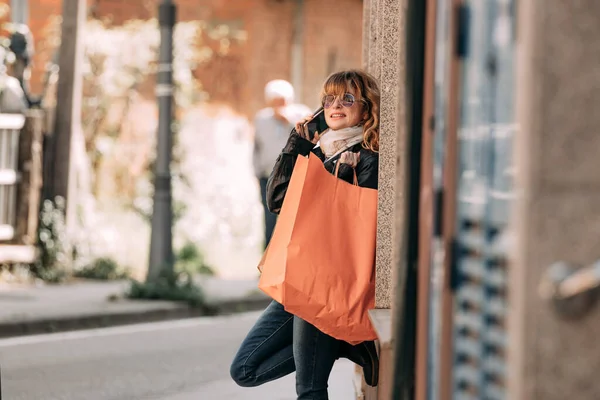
(281, 343)
(270, 218)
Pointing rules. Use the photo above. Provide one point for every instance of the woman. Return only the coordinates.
(281, 343)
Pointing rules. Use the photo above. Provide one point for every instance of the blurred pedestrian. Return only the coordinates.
(272, 126)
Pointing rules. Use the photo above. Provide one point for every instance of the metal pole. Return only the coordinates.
(161, 248)
(19, 10)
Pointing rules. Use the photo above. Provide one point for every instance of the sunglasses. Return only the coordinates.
(347, 100)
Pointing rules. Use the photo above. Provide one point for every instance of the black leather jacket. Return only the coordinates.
(366, 170)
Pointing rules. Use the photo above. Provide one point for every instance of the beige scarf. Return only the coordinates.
(334, 142)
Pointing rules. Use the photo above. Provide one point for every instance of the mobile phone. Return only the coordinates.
(316, 124)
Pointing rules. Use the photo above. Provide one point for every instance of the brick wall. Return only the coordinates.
(269, 47)
(332, 34)
(42, 16)
(332, 41)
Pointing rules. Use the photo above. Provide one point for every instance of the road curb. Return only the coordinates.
(79, 322)
(237, 306)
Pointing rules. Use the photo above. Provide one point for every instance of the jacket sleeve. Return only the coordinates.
(366, 173)
(282, 171)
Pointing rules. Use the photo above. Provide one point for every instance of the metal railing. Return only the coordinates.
(10, 130)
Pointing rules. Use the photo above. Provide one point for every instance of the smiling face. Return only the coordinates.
(343, 110)
(351, 98)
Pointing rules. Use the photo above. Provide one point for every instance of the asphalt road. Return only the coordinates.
(176, 360)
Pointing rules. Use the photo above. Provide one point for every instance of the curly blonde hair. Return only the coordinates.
(367, 92)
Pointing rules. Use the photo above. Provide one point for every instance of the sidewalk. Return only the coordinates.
(29, 310)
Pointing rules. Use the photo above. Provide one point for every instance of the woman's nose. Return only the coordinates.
(337, 103)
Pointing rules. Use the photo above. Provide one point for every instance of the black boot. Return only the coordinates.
(365, 355)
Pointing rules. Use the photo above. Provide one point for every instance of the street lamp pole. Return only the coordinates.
(161, 240)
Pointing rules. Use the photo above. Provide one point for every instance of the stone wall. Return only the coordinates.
(384, 56)
(384, 49)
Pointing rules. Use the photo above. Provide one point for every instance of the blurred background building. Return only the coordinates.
(271, 39)
(225, 52)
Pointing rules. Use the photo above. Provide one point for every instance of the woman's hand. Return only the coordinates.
(303, 132)
(350, 158)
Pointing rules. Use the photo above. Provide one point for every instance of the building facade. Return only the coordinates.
(486, 269)
(302, 41)
(299, 40)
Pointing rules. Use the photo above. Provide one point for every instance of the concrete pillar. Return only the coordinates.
(389, 63)
(383, 56)
(558, 210)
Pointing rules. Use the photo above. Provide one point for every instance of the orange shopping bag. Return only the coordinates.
(321, 257)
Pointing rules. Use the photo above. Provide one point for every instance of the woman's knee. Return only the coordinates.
(239, 373)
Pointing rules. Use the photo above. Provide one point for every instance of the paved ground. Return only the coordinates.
(177, 360)
(28, 309)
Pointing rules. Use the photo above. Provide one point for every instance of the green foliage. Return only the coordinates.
(176, 286)
(103, 268)
(189, 259)
(52, 242)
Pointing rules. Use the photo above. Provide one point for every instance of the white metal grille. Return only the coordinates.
(10, 129)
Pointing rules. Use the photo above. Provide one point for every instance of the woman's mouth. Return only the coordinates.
(337, 115)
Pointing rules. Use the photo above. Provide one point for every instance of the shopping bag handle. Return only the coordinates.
(337, 169)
